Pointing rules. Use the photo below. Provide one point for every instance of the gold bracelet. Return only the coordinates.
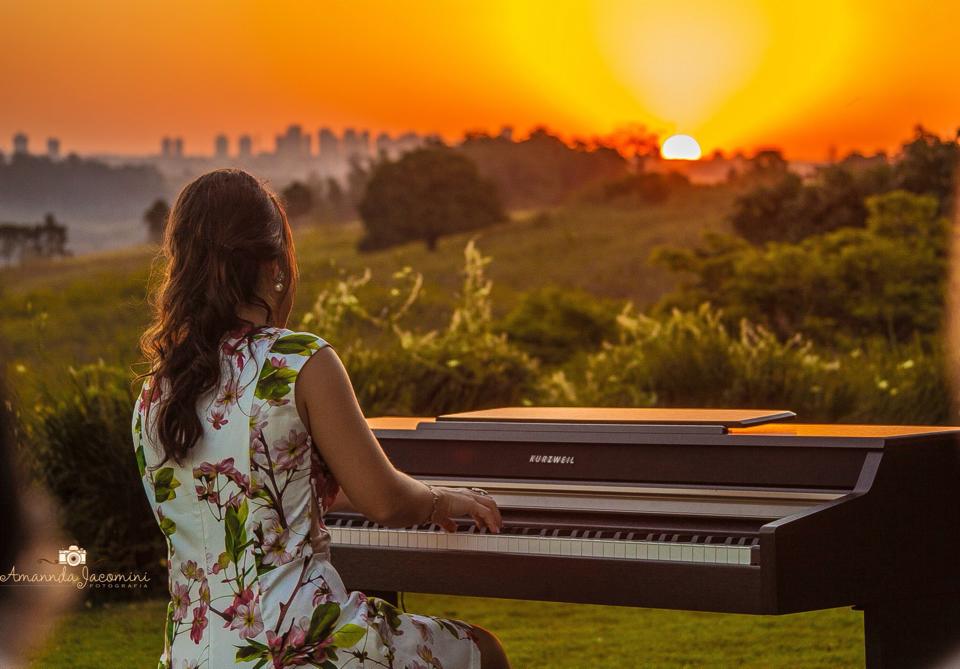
(436, 498)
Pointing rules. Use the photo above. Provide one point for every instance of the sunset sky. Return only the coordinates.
(114, 76)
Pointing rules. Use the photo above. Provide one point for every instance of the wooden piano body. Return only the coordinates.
(700, 510)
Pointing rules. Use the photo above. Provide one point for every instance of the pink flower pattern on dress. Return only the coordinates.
(254, 536)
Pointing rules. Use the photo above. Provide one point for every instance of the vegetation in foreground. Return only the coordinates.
(535, 635)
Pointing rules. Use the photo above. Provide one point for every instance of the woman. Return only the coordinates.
(246, 434)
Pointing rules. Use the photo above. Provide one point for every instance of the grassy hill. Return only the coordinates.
(78, 310)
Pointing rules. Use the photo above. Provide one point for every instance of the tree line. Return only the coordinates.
(20, 242)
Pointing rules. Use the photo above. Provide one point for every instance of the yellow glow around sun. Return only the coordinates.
(680, 147)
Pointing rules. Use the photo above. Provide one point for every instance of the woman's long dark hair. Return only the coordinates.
(223, 227)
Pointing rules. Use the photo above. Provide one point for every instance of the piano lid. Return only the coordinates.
(725, 417)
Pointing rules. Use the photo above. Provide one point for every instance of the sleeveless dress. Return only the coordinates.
(250, 578)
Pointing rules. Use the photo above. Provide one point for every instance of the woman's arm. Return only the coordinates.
(329, 408)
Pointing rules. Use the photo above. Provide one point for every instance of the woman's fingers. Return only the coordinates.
(483, 513)
(492, 505)
(448, 524)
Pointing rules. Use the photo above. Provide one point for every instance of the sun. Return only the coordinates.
(680, 147)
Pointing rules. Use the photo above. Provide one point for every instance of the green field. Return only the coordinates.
(78, 310)
(535, 634)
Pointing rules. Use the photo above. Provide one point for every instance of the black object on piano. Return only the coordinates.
(708, 510)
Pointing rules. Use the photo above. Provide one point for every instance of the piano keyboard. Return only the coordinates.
(607, 544)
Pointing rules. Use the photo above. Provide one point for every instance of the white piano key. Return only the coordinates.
(538, 544)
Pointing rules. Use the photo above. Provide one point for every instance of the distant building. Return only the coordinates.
(364, 144)
(53, 148)
(350, 143)
(506, 132)
(20, 144)
(328, 144)
(408, 141)
(221, 146)
(384, 144)
(244, 146)
(293, 144)
(171, 147)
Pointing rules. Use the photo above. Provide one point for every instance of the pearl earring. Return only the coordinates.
(278, 286)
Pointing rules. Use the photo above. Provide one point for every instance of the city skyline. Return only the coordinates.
(737, 75)
(293, 143)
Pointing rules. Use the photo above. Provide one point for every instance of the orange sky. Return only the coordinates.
(116, 75)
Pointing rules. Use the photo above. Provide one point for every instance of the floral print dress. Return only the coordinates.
(250, 578)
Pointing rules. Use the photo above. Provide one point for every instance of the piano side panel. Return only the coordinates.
(894, 537)
(697, 587)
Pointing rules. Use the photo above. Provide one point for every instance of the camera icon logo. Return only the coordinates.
(73, 556)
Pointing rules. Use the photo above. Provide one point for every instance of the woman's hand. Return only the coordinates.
(453, 502)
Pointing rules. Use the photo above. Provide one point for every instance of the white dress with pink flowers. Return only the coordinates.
(251, 583)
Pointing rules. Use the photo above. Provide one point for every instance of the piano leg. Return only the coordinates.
(390, 596)
(913, 633)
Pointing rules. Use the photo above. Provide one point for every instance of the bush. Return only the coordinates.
(692, 359)
(79, 445)
(884, 280)
(465, 366)
(554, 324)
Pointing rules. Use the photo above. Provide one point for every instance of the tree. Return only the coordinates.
(425, 194)
(297, 200)
(883, 280)
(790, 210)
(155, 218)
(927, 165)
